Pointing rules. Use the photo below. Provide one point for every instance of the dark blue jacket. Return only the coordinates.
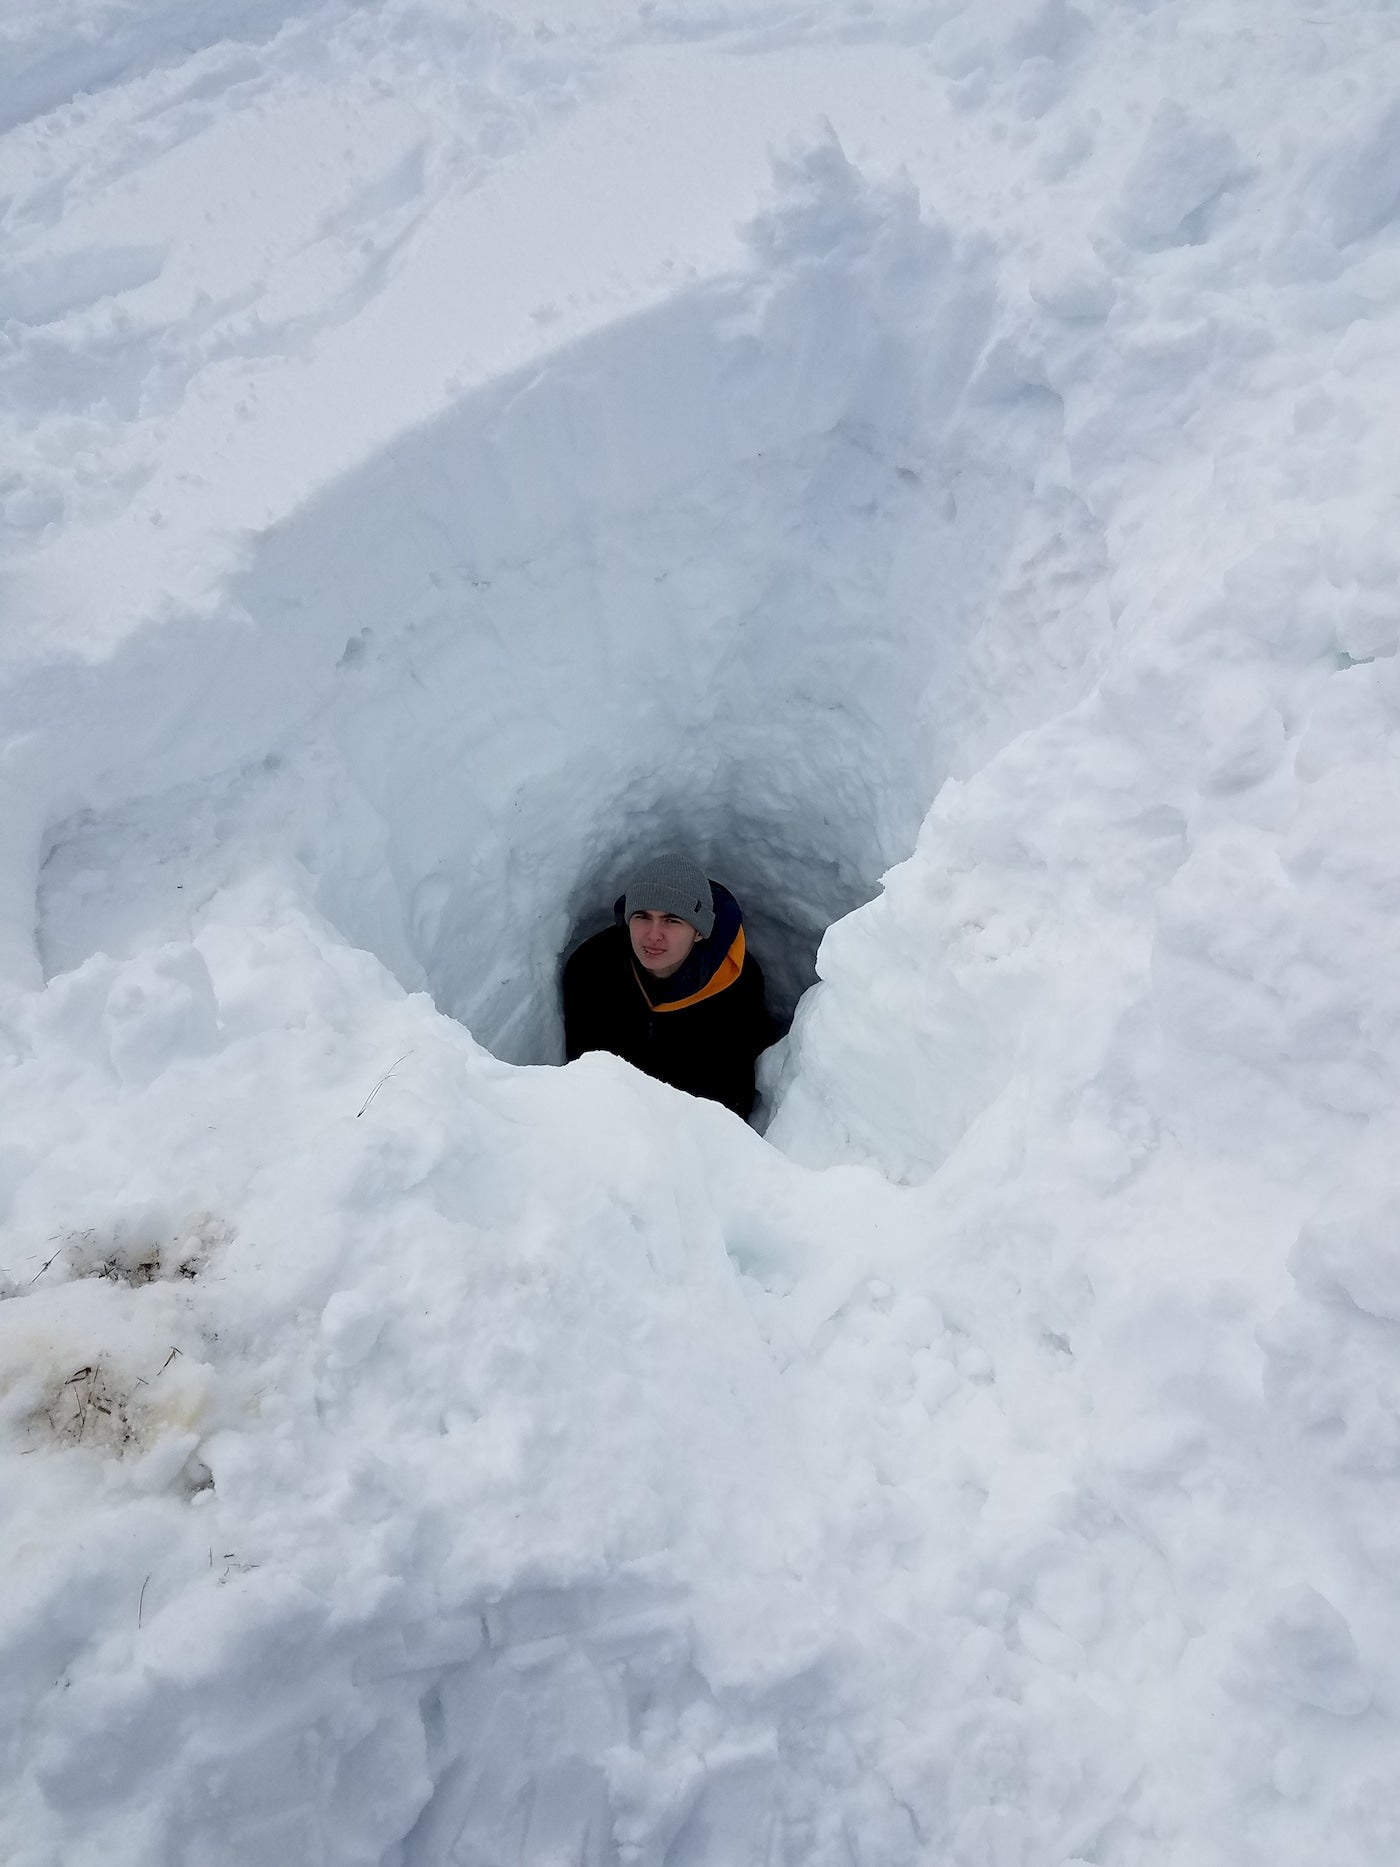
(700, 1030)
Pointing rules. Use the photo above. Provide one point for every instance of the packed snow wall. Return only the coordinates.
(754, 571)
(414, 1460)
(749, 573)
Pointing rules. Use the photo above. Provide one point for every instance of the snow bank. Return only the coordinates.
(413, 1455)
(612, 600)
(388, 1574)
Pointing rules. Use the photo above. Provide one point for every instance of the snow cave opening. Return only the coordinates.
(709, 671)
(745, 574)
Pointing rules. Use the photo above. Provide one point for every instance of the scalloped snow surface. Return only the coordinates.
(939, 462)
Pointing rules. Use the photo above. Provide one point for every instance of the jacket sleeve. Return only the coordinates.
(761, 1029)
(584, 1027)
(750, 1030)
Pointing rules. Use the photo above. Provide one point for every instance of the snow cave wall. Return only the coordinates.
(746, 573)
(1030, 1538)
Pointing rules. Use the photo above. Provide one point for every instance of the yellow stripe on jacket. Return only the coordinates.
(724, 975)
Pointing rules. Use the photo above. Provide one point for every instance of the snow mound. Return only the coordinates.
(612, 601)
(451, 456)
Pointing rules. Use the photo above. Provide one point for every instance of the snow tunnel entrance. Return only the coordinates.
(720, 669)
(745, 575)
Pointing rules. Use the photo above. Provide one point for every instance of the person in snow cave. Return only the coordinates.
(672, 988)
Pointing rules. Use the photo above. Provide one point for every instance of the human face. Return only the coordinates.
(662, 942)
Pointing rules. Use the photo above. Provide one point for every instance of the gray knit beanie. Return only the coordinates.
(673, 885)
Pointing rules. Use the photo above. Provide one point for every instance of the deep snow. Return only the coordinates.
(933, 457)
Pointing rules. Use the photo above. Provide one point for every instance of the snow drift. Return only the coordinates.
(415, 1455)
(733, 573)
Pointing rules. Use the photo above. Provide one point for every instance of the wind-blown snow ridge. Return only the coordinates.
(448, 454)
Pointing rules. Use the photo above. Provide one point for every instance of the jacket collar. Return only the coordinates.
(706, 961)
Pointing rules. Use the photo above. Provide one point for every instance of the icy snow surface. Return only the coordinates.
(938, 461)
